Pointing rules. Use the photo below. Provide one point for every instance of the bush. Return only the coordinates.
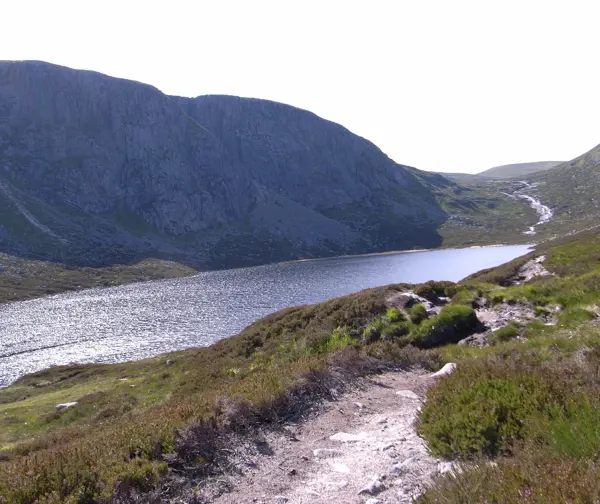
(529, 478)
(417, 313)
(453, 323)
(395, 315)
(428, 291)
(508, 332)
(486, 407)
(340, 338)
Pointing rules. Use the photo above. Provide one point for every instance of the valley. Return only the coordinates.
(194, 289)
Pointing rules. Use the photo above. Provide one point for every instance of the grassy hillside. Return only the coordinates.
(137, 425)
(518, 169)
(572, 190)
(480, 212)
(22, 279)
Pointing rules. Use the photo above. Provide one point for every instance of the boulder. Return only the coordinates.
(65, 406)
(445, 371)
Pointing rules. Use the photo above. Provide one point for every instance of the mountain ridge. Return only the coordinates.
(118, 170)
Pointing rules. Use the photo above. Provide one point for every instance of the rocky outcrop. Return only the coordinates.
(95, 170)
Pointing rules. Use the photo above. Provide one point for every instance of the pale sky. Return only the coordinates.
(448, 85)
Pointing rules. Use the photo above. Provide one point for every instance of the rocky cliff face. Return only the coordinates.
(95, 170)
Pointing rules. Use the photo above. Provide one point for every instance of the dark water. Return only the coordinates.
(141, 320)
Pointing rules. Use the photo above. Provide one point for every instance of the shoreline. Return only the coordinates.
(394, 252)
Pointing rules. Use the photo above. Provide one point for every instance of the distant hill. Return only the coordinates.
(518, 169)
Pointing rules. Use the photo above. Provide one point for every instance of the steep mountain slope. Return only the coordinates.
(518, 169)
(96, 171)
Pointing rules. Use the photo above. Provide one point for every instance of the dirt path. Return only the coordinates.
(362, 448)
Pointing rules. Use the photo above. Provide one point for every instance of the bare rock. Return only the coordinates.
(65, 406)
(374, 487)
(326, 453)
(344, 437)
(402, 467)
(445, 371)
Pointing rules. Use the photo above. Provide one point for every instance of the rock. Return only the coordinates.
(280, 499)
(359, 405)
(445, 467)
(445, 371)
(344, 437)
(326, 453)
(339, 467)
(476, 340)
(480, 302)
(408, 394)
(169, 362)
(373, 500)
(65, 406)
(382, 421)
(402, 467)
(373, 488)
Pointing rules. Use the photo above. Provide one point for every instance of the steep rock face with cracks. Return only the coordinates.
(96, 170)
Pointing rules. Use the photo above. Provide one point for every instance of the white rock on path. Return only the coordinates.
(445, 467)
(408, 394)
(67, 405)
(445, 371)
(373, 500)
(344, 437)
(402, 467)
(326, 453)
(373, 488)
(340, 468)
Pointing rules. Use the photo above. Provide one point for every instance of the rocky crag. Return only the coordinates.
(96, 170)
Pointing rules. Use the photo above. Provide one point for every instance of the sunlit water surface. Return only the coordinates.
(141, 320)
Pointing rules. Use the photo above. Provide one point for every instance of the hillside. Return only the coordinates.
(572, 191)
(97, 170)
(518, 169)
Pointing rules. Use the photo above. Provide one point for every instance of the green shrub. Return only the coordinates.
(396, 330)
(452, 324)
(485, 407)
(482, 419)
(433, 290)
(340, 338)
(395, 315)
(529, 478)
(417, 313)
(573, 429)
(508, 332)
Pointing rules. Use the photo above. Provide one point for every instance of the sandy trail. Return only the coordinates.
(365, 441)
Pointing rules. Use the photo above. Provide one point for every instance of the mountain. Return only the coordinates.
(96, 171)
(518, 169)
